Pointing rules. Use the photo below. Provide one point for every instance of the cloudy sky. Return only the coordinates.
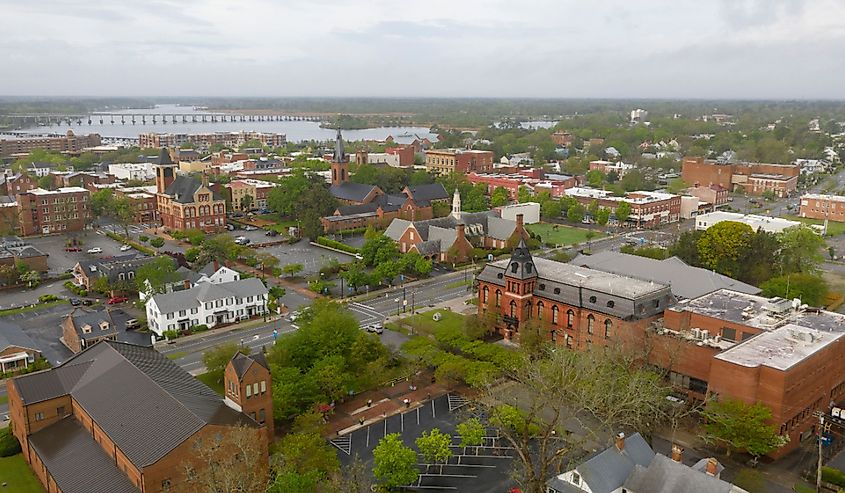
(532, 48)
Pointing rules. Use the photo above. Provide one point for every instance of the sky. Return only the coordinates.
(758, 49)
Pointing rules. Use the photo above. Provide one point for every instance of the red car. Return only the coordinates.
(117, 299)
(73, 249)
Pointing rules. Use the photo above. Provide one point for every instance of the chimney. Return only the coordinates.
(712, 466)
(519, 221)
(677, 453)
(461, 231)
(216, 265)
(620, 438)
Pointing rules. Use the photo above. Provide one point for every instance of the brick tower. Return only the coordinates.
(249, 389)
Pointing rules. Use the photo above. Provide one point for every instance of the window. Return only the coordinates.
(529, 267)
(248, 391)
(39, 416)
(746, 335)
(608, 324)
(182, 313)
(592, 299)
(554, 314)
(513, 309)
(590, 321)
(554, 336)
(514, 267)
(193, 311)
(539, 310)
(610, 304)
(498, 297)
(570, 318)
(728, 334)
(261, 416)
(484, 294)
(528, 309)
(255, 388)
(169, 316)
(657, 303)
(60, 410)
(263, 386)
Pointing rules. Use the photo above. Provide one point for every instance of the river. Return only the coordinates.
(296, 131)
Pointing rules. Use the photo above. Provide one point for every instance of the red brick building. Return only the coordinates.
(53, 211)
(13, 184)
(445, 161)
(143, 201)
(820, 206)
(415, 203)
(119, 418)
(562, 138)
(405, 153)
(751, 178)
(770, 351)
(184, 202)
(556, 185)
(574, 306)
(69, 143)
(249, 389)
(648, 209)
(714, 195)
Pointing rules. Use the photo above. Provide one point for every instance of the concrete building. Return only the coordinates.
(751, 178)
(377, 158)
(133, 171)
(69, 143)
(648, 209)
(766, 223)
(530, 212)
(53, 211)
(184, 202)
(576, 307)
(206, 140)
(445, 161)
(776, 352)
(822, 207)
(120, 418)
(639, 116)
(256, 190)
(208, 304)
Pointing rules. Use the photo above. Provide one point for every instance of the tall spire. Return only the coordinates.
(339, 156)
(521, 265)
(456, 205)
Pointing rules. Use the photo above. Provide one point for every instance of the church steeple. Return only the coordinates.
(340, 166)
(339, 155)
(456, 205)
(521, 265)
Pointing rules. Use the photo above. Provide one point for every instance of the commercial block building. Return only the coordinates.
(205, 140)
(648, 209)
(406, 154)
(766, 223)
(119, 418)
(133, 171)
(53, 211)
(575, 307)
(556, 185)
(751, 178)
(69, 143)
(445, 161)
(256, 190)
(822, 206)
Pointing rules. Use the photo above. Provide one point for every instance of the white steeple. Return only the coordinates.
(456, 205)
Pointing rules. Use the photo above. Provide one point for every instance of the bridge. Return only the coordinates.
(154, 118)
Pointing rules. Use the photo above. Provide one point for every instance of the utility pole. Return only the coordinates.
(820, 415)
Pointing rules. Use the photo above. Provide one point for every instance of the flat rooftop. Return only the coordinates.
(821, 196)
(753, 220)
(780, 349)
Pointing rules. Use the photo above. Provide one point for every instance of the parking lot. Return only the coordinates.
(60, 261)
(483, 469)
(310, 256)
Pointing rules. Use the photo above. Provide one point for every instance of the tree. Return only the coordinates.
(32, 279)
(434, 446)
(809, 288)
(575, 213)
(602, 216)
(355, 276)
(500, 197)
(353, 478)
(101, 201)
(216, 359)
(686, 248)
(246, 203)
(595, 178)
(8, 275)
(551, 208)
(472, 433)
(157, 242)
(593, 209)
(46, 182)
(740, 426)
(227, 461)
(292, 270)
(379, 249)
(723, 246)
(677, 185)
(623, 212)
(153, 277)
(801, 249)
(266, 261)
(123, 212)
(304, 452)
(476, 199)
(750, 480)
(523, 194)
(395, 465)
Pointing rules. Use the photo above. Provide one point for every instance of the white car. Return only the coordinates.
(250, 228)
(95, 250)
(125, 248)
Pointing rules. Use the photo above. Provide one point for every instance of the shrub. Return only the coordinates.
(9, 445)
(179, 235)
(170, 334)
(322, 240)
(46, 298)
(199, 328)
(143, 238)
(157, 242)
(833, 476)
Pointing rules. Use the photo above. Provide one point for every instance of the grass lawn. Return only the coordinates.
(16, 474)
(279, 225)
(209, 380)
(177, 354)
(833, 228)
(457, 284)
(423, 323)
(25, 309)
(560, 234)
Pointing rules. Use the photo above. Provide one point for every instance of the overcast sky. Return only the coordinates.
(534, 48)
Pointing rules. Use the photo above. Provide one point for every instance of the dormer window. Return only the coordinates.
(514, 267)
(86, 329)
(529, 267)
(104, 325)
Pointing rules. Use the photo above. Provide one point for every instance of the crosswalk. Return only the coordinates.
(456, 402)
(367, 314)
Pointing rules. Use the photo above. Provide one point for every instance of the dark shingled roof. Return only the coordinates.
(355, 192)
(164, 157)
(142, 400)
(242, 362)
(13, 335)
(424, 194)
(184, 187)
(82, 317)
(76, 462)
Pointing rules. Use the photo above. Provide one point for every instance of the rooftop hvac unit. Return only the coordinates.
(696, 333)
(705, 334)
(717, 339)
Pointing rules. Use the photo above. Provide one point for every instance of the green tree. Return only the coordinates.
(123, 212)
(500, 197)
(46, 182)
(593, 209)
(216, 359)
(686, 247)
(476, 199)
(246, 203)
(32, 278)
(304, 451)
(292, 270)
(523, 194)
(623, 212)
(101, 201)
(602, 216)
(158, 272)
(472, 433)
(157, 242)
(551, 208)
(435, 446)
(575, 213)
(722, 247)
(395, 465)
(379, 249)
(677, 185)
(355, 276)
(266, 261)
(809, 288)
(595, 178)
(740, 426)
(801, 249)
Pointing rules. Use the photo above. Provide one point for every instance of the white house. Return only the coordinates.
(212, 272)
(133, 171)
(208, 304)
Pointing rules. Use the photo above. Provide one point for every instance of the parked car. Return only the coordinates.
(74, 302)
(271, 232)
(87, 302)
(230, 226)
(375, 328)
(73, 249)
(133, 323)
(95, 250)
(125, 248)
(249, 228)
(242, 240)
(117, 299)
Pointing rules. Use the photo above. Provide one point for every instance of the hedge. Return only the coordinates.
(9, 445)
(322, 240)
(133, 244)
(833, 476)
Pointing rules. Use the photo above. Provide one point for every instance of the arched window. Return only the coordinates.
(608, 324)
(528, 309)
(484, 294)
(540, 310)
(498, 297)
(554, 314)
(570, 318)
(554, 337)
(513, 309)
(591, 320)
(528, 267)
(514, 267)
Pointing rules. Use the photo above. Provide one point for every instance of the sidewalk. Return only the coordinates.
(248, 324)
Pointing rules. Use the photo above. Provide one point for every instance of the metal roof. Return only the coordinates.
(12, 335)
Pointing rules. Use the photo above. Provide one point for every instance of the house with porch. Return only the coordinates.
(17, 350)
